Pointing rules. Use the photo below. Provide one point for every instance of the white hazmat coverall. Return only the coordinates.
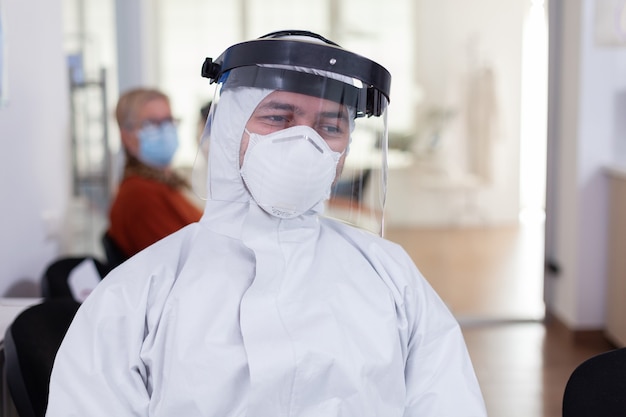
(246, 314)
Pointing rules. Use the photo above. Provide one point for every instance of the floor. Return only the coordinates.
(523, 367)
(491, 279)
(482, 273)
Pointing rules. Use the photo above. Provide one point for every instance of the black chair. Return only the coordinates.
(114, 254)
(597, 387)
(352, 188)
(30, 346)
(54, 283)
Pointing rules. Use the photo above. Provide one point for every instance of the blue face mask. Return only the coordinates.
(157, 144)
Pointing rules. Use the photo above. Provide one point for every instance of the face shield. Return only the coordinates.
(297, 84)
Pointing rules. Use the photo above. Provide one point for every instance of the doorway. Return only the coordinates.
(492, 271)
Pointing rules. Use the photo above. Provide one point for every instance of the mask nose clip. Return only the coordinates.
(315, 145)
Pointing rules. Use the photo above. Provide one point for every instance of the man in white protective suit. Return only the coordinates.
(268, 307)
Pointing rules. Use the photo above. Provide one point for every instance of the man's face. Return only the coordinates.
(154, 111)
(283, 109)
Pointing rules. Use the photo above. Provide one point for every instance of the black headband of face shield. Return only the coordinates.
(372, 98)
(303, 83)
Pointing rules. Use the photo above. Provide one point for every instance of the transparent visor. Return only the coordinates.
(255, 106)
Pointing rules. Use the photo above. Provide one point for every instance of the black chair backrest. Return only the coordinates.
(353, 188)
(54, 283)
(597, 387)
(30, 346)
(114, 254)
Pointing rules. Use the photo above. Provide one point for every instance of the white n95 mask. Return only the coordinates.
(290, 171)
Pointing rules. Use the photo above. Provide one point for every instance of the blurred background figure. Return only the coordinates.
(199, 170)
(151, 200)
(204, 116)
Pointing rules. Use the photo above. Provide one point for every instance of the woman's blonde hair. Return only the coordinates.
(131, 101)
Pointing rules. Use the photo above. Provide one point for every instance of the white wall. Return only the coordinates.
(34, 161)
(589, 77)
(138, 43)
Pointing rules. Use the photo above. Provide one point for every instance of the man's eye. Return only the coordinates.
(277, 118)
(332, 129)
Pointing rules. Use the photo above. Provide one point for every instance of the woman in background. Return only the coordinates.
(150, 202)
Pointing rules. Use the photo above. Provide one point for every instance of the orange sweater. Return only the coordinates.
(145, 211)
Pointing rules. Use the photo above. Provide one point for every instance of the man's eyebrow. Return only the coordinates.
(278, 105)
(339, 114)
